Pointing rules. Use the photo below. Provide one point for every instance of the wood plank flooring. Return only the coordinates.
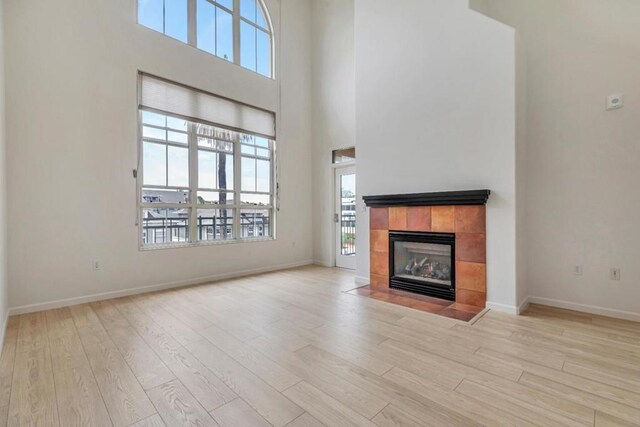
(292, 348)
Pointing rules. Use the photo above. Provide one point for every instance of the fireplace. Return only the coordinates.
(414, 239)
(423, 262)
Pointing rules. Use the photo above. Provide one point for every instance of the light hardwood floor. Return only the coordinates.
(291, 348)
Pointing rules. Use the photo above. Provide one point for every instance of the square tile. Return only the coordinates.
(379, 282)
(470, 219)
(443, 219)
(379, 264)
(419, 218)
(379, 219)
(380, 296)
(468, 308)
(429, 307)
(365, 291)
(379, 241)
(454, 310)
(471, 276)
(398, 219)
(471, 247)
(477, 299)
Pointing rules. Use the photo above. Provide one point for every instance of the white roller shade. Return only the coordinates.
(193, 104)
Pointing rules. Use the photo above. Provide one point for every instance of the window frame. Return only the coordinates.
(193, 188)
(192, 31)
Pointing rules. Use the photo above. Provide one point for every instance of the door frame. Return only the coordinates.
(335, 202)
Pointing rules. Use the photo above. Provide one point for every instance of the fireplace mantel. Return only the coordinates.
(445, 198)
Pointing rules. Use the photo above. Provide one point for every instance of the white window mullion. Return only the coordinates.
(192, 24)
(236, 31)
(193, 182)
(237, 182)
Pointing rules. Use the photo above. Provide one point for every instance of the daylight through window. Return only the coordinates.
(238, 31)
(199, 182)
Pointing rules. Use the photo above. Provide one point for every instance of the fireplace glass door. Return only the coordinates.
(423, 263)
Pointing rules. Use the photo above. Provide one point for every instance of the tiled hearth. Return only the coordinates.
(424, 303)
(430, 213)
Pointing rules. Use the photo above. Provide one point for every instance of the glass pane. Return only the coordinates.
(224, 35)
(247, 149)
(260, 18)
(225, 171)
(264, 54)
(178, 175)
(248, 174)
(154, 119)
(425, 262)
(226, 3)
(176, 19)
(261, 142)
(206, 24)
(248, 46)
(344, 155)
(215, 170)
(178, 137)
(348, 214)
(165, 226)
(215, 144)
(215, 198)
(151, 14)
(248, 9)
(263, 173)
(215, 224)
(154, 164)
(255, 199)
(255, 223)
(152, 195)
(149, 132)
(261, 152)
(176, 123)
(207, 167)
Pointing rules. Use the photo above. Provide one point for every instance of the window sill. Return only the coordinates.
(205, 244)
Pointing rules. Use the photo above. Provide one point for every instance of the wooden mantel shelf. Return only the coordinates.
(444, 198)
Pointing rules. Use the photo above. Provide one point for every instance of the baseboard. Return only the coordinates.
(523, 305)
(362, 280)
(3, 332)
(31, 308)
(585, 308)
(504, 308)
(322, 263)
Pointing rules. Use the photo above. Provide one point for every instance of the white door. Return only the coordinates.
(345, 217)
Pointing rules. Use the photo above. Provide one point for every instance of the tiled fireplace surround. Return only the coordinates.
(467, 222)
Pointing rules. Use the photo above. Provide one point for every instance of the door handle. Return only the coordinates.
(336, 218)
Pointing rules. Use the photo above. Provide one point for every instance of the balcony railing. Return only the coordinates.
(176, 230)
(348, 233)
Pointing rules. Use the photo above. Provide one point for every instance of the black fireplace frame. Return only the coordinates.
(418, 286)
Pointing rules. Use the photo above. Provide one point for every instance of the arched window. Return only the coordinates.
(237, 31)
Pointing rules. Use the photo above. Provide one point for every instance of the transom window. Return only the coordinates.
(238, 31)
(198, 182)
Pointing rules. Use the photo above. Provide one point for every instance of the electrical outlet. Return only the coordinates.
(577, 270)
(96, 265)
(615, 274)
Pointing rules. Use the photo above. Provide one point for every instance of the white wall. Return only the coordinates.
(435, 111)
(522, 253)
(71, 114)
(3, 187)
(333, 110)
(582, 161)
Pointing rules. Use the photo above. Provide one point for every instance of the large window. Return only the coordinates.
(201, 179)
(238, 31)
